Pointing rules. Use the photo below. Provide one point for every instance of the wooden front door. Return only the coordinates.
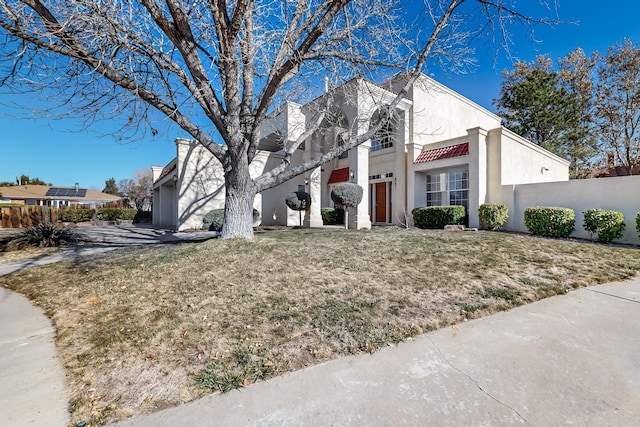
(381, 202)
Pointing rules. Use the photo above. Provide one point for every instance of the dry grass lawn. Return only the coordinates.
(150, 327)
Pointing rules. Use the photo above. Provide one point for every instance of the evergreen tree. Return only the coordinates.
(110, 187)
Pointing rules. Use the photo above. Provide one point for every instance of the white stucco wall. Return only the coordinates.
(201, 185)
(619, 194)
(439, 113)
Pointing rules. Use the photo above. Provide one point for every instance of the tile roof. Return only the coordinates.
(443, 153)
(339, 175)
(166, 171)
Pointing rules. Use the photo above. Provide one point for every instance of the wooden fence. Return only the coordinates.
(26, 216)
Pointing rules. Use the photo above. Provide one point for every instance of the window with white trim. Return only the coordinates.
(448, 189)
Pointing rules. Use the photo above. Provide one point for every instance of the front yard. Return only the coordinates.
(145, 328)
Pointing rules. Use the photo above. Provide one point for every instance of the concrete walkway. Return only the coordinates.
(567, 360)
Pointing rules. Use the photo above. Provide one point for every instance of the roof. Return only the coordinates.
(167, 170)
(443, 153)
(48, 192)
(339, 175)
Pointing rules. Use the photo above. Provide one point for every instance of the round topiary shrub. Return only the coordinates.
(347, 194)
(550, 222)
(493, 216)
(214, 220)
(298, 200)
(608, 224)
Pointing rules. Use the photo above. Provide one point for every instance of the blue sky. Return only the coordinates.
(51, 151)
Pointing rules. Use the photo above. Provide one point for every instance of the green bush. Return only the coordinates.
(551, 222)
(436, 217)
(493, 217)
(214, 220)
(638, 224)
(347, 194)
(608, 224)
(45, 235)
(298, 200)
(332, 216)
(75, 215)
(112, 214)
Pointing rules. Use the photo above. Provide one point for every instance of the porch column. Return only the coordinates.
(359, 167)
(312, 216)
(477, 173)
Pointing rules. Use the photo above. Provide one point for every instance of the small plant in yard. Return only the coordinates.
(608, 224)
(332, 216)
(549, 221)
(638, 223)
(436, 217)
(214, 220)
(493, 216)
(45, 236)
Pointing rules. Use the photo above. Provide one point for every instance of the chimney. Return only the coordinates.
(77, 187)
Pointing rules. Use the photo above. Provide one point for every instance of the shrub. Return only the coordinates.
(347, 194)
(298, 200)
(493, 217)
(551, 222)
(332, 216)
(112, 214)
(638, 223)
(214, 220)
(608, 224)
(75, 215)
(436, 217)
(45, 235)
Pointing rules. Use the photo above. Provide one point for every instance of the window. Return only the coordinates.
(448, 188)
(383, 138)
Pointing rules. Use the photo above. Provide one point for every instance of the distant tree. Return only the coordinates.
(24, 180)
(110, 187)
(138, 190)
(536, 103)
(618, 104)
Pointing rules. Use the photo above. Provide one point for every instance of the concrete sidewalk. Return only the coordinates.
(566, 360)
(32, 386)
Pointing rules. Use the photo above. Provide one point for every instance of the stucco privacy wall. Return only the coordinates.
(619, 194)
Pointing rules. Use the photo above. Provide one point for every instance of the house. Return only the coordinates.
(47, 195)
(439, 149)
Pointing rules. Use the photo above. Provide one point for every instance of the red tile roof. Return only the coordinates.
(339, 175)
(166, 171)
(443, 153)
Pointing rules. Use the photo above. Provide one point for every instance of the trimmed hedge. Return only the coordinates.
(550, 221)
(436, 217)
(214, 220)
(75, 215)
(492, 216)
(608, 224)
(112, 214)
(332, 216)
(347, 194)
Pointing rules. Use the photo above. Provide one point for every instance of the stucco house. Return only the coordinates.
(440, 149)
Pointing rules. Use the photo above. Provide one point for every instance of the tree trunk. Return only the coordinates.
(238, 208)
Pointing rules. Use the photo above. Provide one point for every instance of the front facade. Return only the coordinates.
(439, 149)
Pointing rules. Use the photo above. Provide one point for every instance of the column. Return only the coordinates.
(359, 167)
(477, 173)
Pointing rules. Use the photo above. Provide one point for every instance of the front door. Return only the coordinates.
(381, 202)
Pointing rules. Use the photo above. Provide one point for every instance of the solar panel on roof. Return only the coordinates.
(66, 192)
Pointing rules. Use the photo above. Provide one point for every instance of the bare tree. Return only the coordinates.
(216, 68)
(618, 104)
(138, 190)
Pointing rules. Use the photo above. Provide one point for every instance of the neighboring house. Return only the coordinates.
(440, 149)
(47, 195)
